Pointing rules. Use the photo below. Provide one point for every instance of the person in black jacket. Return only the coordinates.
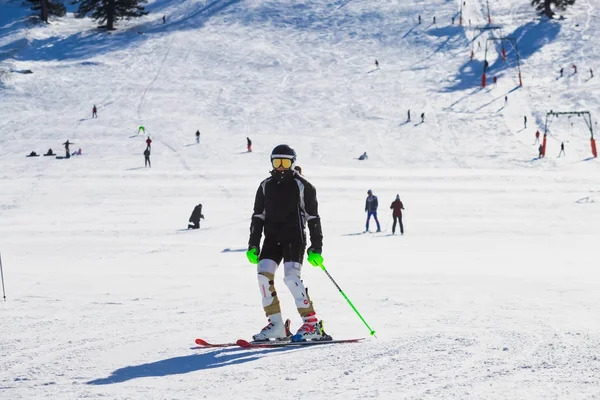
(147, 158)
(195, 217)
(284, 203)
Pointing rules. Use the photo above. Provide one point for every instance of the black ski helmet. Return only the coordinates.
(283, 151)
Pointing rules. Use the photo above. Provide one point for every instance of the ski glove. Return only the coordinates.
(315, 258)
(252, 255)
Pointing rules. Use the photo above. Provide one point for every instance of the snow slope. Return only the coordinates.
(492, 292)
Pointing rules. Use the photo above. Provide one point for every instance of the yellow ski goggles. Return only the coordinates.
(281, 162)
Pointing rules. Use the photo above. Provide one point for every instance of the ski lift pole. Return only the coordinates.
(371, 331)
(2, 276)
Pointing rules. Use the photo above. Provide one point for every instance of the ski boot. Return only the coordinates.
(275, 329)
(312, 329)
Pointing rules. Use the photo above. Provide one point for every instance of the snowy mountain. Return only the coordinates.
(491, 293)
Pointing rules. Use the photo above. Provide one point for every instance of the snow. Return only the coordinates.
(491, 293)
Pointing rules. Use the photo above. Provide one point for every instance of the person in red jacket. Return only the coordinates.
(397, 208)
(148, 142)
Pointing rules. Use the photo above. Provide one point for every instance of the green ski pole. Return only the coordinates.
(371, 331)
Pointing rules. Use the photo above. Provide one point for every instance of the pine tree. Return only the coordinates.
(47, 8)
(111, 11)
(546, 6)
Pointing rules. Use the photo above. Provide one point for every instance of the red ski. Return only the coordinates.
(204, 343)
(261, 345)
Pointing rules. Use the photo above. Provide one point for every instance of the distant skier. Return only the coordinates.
(562, 149)
(525, 121)
(50, 153)
(376, 64)
(371, 205)
(422, 117)
(408, 119)
(198, 136)
(419, 19)
(495, 79)
(194, 221)
(537, 137)
(452, 20)
(562, 70)
(94, 112)
(540, 151)
(591, 73)
(363, 156)
(67, 150)
(434, 19)
(249, 144)
(148, 142)
(505, 100)
(164, 18)
(397, 208)
(574, 68)
(147, 158)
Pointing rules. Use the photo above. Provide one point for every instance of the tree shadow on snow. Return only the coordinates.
(531, 38)
(185, 364)
(94, 42)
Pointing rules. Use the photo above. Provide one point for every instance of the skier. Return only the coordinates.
(452, 20)
(376, 64)
(67, 150)
(525, 121)
(94, 112)
(283, 203)
(419, 19)
(505, 100)
(148, 142)
(537, 137)
(397, 208)
(423, 117)
(408, 119)
(198, 136)
(32, 154)
(540, 151)
(363, 156)
(562, 149)
(141, 129)
(591, 73)
(434, 19)
(249, 144)
(50, 153)
(495, 79)
(147, 158)
(164, 18)
(574, 68)
(371, 209)
(194, 221)
(561, 72)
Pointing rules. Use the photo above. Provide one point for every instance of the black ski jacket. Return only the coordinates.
(197, 214)
(282, 207)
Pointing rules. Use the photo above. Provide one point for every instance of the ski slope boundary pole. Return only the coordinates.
(2, 276)
(371, 331)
